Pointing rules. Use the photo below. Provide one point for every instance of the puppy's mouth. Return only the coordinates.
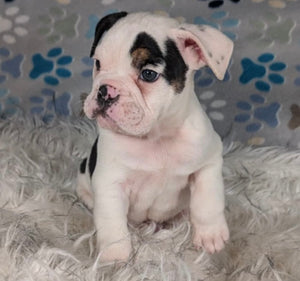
(104, 104)
(118, 111)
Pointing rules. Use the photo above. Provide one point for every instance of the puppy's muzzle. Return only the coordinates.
(106, 97)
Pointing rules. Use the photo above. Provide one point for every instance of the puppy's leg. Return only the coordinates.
(207, 208)
(110, 216)
(87, 167)
(84, 190)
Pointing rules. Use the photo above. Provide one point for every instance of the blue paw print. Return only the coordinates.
(205, 77)
(54, 62)
(88, 62)
(93, 20)
(8, 104)
(220, 21)
(11, 66)
(49, 104)
(297, 80)
(263, 114)
(265, 69)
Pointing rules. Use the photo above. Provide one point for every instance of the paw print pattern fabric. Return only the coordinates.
(45, 65)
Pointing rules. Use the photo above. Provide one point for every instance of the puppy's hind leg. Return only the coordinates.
(84, 189)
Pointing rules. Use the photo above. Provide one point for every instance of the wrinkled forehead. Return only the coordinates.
(140, 38)
(140, 41)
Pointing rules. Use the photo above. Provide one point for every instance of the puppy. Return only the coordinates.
(157, 153)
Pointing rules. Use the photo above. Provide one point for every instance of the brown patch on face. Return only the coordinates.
(145, 50)
(294, 123)
(139, 57)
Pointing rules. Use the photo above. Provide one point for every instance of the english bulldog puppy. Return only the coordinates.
(157, 153)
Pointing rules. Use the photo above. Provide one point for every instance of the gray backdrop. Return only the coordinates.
(44, 63)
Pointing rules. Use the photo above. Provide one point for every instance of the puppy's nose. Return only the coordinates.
(102, 93)
(107, 95)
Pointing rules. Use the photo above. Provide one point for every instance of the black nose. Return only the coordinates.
(102, 93)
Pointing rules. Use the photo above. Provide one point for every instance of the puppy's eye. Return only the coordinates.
(97, 65)
(149, 75)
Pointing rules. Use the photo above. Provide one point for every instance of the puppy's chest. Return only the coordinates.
(163, 166)
(173, 157)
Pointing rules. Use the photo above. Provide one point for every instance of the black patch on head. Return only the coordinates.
(93, 158)
(175, 70)
(103, 25)
(83, 166)
(145, 50)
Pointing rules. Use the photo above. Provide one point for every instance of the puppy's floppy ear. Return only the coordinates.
(203, 45)
(103, 25)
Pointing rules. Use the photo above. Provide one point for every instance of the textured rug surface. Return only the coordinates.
(47, 234)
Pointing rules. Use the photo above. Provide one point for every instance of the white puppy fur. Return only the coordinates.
(157, 153)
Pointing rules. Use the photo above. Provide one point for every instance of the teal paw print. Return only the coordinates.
(265, 69)
(57, 24)
(271, 29)
(51, 68)
(49, 104)
(8, 104)
(255, 113)
(222, 21)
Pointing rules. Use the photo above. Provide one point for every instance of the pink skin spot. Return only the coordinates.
(112, 92)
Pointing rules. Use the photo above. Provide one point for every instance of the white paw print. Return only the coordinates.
(212, 107)
(279, 4)
(108, 2)
(64, 2)
(11, 25)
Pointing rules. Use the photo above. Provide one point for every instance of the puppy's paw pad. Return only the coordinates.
(211, 237)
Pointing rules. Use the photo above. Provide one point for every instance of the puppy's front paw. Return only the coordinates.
(211, 236)
(119, 251)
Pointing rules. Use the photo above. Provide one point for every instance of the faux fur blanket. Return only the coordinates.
(47, 234)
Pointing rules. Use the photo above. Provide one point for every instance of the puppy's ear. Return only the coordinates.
(204, 45)
(103, 25)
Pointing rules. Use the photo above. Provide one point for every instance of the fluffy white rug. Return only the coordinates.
(47, 234)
